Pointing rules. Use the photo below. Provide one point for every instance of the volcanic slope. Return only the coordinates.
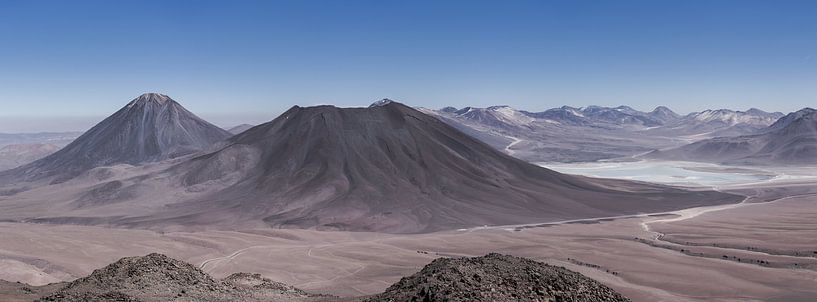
(240, 128)
(790, 140)
(389, 168)
(498, 278)
(152, 127)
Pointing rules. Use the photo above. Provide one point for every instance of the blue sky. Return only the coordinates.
(233, 61)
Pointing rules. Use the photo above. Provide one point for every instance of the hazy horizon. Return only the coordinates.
(81, 123)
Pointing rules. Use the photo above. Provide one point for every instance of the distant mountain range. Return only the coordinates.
(598, 116)
(721, 122)
(697, 123)
(53, 138)
(17, 149)
(15, 155)
(591, 133)
(792, 139)
(564, 134)
(386, 168)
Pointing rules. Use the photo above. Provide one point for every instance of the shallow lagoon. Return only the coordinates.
(666, 172)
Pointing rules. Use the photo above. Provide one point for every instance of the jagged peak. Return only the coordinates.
(497, 107)
(807, 110)
(663, 112)
(151, 97)
(382, 102)
(449, 109)
(465, 110)
(662, 108)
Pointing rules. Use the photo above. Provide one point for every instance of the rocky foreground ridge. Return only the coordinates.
(498, 278)
(156, 277)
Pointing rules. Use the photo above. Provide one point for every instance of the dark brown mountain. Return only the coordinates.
(390, 168)
(152, 127)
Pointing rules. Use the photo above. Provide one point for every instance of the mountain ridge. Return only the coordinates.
(792, 139)
(579, 134)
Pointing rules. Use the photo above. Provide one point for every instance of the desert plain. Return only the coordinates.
(763, 249)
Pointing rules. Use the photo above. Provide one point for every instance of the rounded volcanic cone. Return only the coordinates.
(392, 168)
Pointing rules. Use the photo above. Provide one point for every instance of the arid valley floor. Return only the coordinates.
(760, 250)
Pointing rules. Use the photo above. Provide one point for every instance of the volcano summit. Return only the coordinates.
(151, 128)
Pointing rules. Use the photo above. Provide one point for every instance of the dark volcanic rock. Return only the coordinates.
(156, 277)
(21, 292)
(499, 278)
(151, 128)
(263, 288)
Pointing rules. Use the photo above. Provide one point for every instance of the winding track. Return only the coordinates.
(232, 256)
(516, 140)
(695, 212)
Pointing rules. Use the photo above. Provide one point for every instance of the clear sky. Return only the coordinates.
(234, 61)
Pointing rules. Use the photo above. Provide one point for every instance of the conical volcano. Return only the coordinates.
(392, 168)
(152, 127)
